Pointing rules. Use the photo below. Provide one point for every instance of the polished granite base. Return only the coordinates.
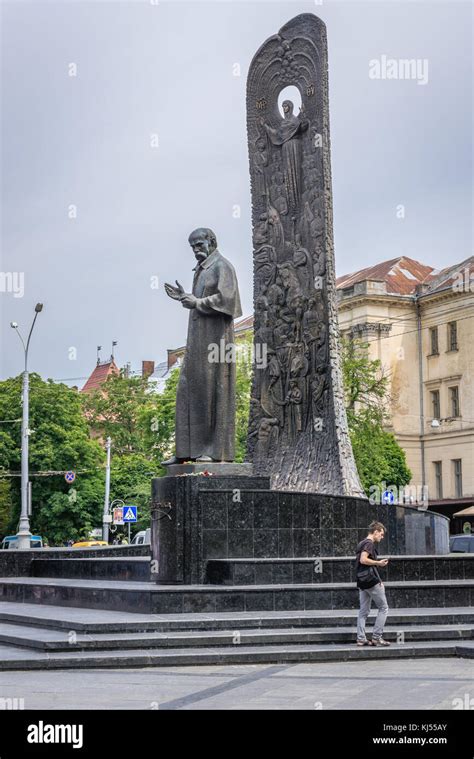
(197, 519)
(336, 569)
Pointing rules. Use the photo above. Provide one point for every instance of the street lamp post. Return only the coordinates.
(24, 534)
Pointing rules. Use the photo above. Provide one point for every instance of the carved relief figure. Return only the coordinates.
(287, 136)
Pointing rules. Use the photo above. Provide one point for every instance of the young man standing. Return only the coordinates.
(367, 556)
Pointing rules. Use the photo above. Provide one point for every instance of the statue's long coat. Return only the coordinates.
(205, 400)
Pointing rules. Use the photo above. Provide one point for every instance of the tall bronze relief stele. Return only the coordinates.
(298, 427)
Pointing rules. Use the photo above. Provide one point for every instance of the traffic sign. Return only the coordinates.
(388, 497)
(70, 476)
(129, 513)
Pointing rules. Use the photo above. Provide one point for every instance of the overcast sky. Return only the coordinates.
(168, 69)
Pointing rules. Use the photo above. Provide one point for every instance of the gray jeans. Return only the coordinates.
(376, 594)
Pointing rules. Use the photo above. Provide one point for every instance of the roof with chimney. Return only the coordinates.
(102, 371)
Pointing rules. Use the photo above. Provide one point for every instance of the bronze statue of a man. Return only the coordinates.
(205, 398)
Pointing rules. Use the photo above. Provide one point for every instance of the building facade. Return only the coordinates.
(420, 324)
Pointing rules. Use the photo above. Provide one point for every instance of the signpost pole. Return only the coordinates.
(130, 515)
(105, 519)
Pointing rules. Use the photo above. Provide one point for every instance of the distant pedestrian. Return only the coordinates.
(370, 586)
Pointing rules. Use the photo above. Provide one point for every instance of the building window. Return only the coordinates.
(457, 465)
(452, 336)
(435, 407)
(434, 341)
(438, 478)
(454, 401)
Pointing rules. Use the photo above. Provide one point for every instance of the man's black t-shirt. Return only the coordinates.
(369, 546)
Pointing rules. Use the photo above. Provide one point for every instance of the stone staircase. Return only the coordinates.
(48, 637)
(85, 612)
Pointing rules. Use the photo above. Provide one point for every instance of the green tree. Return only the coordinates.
(378, 456)
(141, 426)
(59, 442)
(116, 409)
(67, 518)
(158, 421)
(6, 505)
(130, 480)
(137, 419)
(243, 383)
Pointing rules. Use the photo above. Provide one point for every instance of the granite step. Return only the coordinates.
(147, 597)
(251, 571)
(134, 569)
(69, 640)
(82, 620)
(14, 658)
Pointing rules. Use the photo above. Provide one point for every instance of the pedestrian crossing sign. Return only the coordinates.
(129, 514)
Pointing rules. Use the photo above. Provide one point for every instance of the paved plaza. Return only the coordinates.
(424, 684)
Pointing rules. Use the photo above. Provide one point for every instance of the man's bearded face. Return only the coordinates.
(200, 246)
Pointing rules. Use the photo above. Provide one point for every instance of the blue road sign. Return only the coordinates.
(70, 476)
(388, 497)
(129, 514)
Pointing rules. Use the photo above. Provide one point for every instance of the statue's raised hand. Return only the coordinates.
(174, 292)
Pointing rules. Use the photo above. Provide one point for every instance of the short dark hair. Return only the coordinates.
(373, 526)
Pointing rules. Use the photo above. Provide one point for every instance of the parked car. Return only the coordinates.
(142, 538)
(461, 543)
(11, 541)
(89, 544)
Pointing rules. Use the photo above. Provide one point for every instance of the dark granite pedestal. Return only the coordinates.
(196, 519)
(189, 522)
